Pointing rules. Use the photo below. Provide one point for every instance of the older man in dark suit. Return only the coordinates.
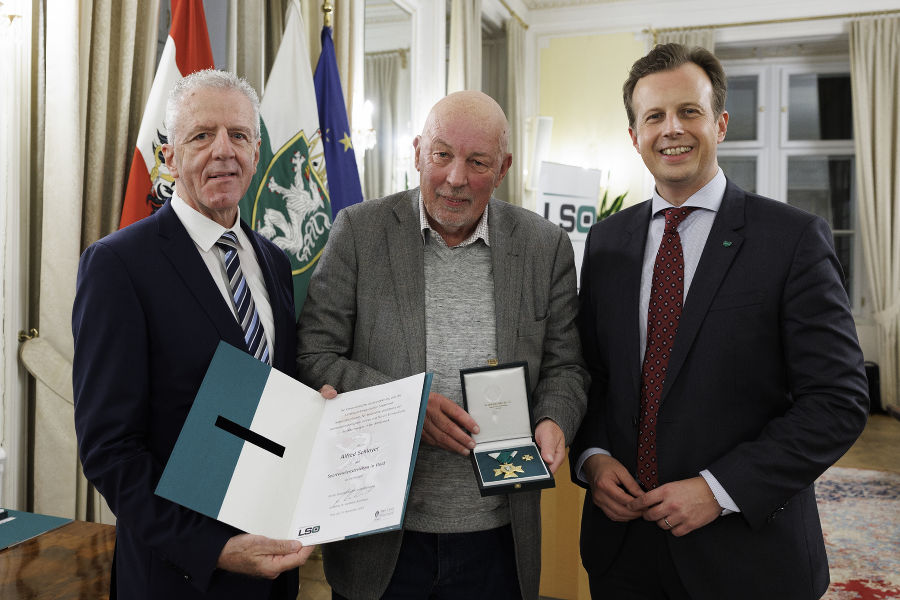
(153, 302)
(726, 372)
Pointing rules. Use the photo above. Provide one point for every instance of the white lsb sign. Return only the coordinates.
(568, 196)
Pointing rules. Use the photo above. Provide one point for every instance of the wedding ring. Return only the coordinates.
(666, 521)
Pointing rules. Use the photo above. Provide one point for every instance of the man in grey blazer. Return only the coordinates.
(442, 278)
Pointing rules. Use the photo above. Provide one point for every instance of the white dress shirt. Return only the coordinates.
(205, 233)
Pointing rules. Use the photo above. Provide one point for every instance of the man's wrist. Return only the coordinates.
(725, 501)
(579, 466)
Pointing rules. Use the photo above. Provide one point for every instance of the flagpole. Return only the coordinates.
(327, 8)
(344, 186)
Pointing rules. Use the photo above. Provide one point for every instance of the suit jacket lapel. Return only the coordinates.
(508, 261)
(722, 246)
(407, 258)
(176, 245)
(633, 243)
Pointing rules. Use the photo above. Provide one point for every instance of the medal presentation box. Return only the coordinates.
(506, 458)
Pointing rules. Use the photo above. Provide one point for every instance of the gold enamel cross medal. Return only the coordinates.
(507, 469)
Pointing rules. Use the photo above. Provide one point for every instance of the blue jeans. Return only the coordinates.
(455, 566)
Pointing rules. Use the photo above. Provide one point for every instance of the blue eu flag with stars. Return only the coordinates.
(340, 160)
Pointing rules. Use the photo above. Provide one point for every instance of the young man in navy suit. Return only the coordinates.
(152, 303)
(726, 372)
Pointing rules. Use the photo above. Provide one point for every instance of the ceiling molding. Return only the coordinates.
(384, 11)
(638, 15)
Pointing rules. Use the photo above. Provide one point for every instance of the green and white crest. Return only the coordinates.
(291, 205)
(288, 203)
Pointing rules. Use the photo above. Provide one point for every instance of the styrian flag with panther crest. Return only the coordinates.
(288, 201)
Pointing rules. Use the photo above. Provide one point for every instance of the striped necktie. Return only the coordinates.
(248, 317)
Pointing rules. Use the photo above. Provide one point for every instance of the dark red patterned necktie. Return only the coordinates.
(666, 297)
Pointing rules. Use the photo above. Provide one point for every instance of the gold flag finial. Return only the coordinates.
(327, 8)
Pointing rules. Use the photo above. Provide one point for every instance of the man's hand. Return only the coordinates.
(552, 443)
(328, 392)
(259, 556)
(679, 506)
(446, 423)
(613, 489)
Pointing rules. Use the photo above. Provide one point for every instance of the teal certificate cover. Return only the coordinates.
(21, 526)
(268, 455)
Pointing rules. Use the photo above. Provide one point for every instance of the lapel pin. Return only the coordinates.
(726, 243)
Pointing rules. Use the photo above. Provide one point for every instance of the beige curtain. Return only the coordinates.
(58, 484)
(875, 82)
(15, 111)
(274, 30)
(494, 82)
(96, 60)
(349, 49)
(383, 88)
(247, 52)
(464, 60)
(515, 102)
(256, 28)
(122, 62)
(705, 38)
(493, 67)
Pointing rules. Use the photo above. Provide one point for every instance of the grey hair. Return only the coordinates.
(207, 78)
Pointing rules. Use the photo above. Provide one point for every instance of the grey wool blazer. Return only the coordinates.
(363, 324)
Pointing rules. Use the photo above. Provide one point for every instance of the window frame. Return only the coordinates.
(772, 149)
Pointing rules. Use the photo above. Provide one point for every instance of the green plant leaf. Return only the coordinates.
(612, 208)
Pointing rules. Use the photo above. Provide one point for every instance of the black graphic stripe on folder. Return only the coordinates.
(249, 436)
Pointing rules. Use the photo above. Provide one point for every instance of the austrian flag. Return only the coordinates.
(187, 50)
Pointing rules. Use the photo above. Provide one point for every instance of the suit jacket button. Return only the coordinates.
(634, 421)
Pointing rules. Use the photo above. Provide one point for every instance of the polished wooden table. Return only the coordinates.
(68, 563)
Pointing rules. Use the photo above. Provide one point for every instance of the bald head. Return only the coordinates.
(462, 157)
(474, 107)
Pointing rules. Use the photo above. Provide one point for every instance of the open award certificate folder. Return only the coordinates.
(264, 453)
(506, 458)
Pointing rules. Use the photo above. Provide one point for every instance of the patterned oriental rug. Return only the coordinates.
(860, 511)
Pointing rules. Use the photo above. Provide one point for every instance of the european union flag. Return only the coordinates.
(340, 160)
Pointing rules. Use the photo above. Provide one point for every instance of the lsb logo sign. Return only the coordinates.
(573, 218)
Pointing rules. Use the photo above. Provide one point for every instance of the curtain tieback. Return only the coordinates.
(889, 316)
